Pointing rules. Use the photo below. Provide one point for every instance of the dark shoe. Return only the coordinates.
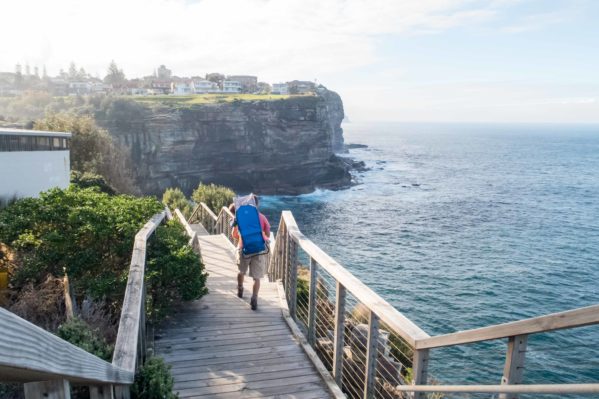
(254, 303)
(240, 291)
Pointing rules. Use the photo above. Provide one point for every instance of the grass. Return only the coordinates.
(211, 98)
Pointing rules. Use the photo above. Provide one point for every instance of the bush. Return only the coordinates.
(87, 179)
(174, 198)
(214, 196)
(174, 273)
(87, 233)
(153, 380)
(42, 304)
(80, 334)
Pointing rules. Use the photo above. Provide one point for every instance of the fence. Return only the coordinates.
(47, 364)
(370, 348)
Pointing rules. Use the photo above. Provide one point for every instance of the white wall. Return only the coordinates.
(27, 173)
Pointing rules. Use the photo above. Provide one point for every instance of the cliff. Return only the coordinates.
(269, 147)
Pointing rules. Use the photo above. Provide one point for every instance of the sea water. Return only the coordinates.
(467, 225)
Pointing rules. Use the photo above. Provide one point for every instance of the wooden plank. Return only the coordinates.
(269, 392)
(513, 370)
(29, 353)
(312, 302)
(524, 388)
(239, 366)
(280, 365)
(245, 378)
(210, 339)
(55, 389)
(101, 392)
(229, 353)
(339, 333)
(387, 313)
(279, 353)
(569, 319)
(420, 370)
(218, 349)
(278, 382)
(371, 355)
(125, 350)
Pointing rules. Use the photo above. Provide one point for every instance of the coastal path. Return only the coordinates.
(219, 348)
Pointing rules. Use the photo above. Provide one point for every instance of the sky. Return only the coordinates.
(390, 60)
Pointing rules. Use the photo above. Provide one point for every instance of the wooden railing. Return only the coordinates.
(373, 350)
(131, 340)
(47, 364)
(221, 224)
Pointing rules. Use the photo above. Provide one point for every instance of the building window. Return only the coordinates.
(33, 143)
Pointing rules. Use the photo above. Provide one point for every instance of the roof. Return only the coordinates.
(24, 132)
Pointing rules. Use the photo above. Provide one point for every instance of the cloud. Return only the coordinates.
(538, 21)
(276, 39)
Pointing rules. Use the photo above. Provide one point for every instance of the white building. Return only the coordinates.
(280, 88)
(32, 161)
(80, 87)
(231, 86)
(182, 88)
(202, 86)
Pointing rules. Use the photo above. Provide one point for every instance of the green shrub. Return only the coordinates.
(174, 273)
(153, 380)
(86, 180)
(80, 334)
(87, 233)
(174, 198)
(214, 196)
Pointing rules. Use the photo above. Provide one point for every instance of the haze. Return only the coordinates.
(425, 60)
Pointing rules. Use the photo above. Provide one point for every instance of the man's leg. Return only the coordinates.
(239, 284)
(256, 287)
(242, 265)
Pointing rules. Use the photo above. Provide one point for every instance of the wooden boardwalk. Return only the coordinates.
(219, 348)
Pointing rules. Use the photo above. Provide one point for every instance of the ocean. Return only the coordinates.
(467, 225)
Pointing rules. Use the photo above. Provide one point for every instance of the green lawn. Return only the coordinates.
(210, 98)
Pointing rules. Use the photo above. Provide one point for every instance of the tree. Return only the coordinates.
(115, 76)
(214, 196)
(93, 150)
(82, 74)
(174, 198)
(73, 71)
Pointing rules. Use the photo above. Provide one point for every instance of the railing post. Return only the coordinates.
(339, 334)
(122, 392)
(371, 355)
(55, 389)
(513, 370)
(312, 302)
(101, 392)
(420, 370)
(292, 278)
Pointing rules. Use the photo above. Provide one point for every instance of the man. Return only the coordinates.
(256, 264)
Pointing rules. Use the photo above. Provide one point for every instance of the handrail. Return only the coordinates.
(29, 353)
(387, 313)
(204, 215)
(381, 316)
(569, 319)
(132, 323)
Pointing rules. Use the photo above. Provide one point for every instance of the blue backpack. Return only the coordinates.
(248, 222)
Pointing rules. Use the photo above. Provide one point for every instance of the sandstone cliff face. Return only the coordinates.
(268, 147)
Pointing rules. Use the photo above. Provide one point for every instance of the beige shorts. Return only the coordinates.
(256, 264)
